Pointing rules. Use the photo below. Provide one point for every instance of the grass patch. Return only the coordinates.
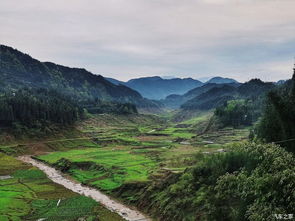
(30, 195)
(70, 209)
(119, 165)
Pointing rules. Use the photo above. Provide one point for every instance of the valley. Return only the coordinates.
(78, 146)
(117, 154)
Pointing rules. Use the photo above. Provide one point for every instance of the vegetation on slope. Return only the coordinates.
(19, 70)
(250, 182)
(175, 101)
(157, 165)
(254, 90)
(31, 107)
(278, 120)
(211, 98)
(36, 112)
(176, 170)
(237, 113)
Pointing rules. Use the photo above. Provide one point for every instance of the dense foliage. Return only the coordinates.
(33, 108)
(98, 107)
(236, 113)
(277, 123)
(212, 95)
(19, 70)
(211, 98)
(41, 109)
(250, 182)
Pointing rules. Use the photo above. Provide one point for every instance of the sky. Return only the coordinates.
(124, 39)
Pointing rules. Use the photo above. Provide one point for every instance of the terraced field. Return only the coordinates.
(136, 150)
(120, 155)
(27, 194)
(105, 168)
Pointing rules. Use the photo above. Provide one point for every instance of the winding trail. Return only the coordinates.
(57, 177)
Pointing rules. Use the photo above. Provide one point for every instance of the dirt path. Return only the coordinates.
(57, 177)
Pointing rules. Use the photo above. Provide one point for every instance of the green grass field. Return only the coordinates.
(108, 152)
(116, 166)
(29, 195)
(121, 151)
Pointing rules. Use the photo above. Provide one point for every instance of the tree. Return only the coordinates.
(235, 113)
(249, 182)
(278, 121)
(35, 108)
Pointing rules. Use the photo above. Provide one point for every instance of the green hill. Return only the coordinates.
(175, 101)
(212, 98)
(213, 95)
(19, 70)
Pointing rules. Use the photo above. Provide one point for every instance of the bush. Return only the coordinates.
(236, 113)
(250, 182)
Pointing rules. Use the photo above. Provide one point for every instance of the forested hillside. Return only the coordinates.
(211, 98)
(250, 182)
(217, 95)
(175, 101)
(278, 120)
(19, 70)
(37, 111)
(169, 110)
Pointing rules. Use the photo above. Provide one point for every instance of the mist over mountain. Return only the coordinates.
(115, 81)
(211, 95)
(175, 101)
(217, 95)
(211, 98)
(158, 88)
(221, 80)
(19, 70)
(204, 79)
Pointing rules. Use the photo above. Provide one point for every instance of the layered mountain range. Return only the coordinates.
(157, 88)
(211, 95)
(19, 70)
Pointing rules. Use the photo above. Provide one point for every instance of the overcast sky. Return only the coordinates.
(126, 39)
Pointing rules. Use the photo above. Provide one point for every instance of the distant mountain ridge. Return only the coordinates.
(175, 101)
(216, 96)
(211, 95)
(221, 80)
(158, 88)
(115, 81)
(20, 70)
(211, 98)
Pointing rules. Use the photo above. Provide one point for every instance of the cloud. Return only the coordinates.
(130, 38)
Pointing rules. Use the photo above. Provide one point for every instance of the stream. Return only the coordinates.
(114, 206)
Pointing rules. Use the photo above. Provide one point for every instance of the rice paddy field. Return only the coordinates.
(108, 152)
(120, 151)
(27, 194)
(105, 168)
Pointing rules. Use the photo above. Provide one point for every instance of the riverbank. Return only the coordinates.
(57, 177)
